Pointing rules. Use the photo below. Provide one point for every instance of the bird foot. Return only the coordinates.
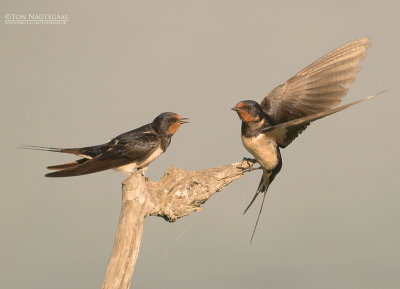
(247, 165)
(142, 171)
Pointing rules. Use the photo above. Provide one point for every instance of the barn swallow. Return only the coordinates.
(287, 110)
(130, 151)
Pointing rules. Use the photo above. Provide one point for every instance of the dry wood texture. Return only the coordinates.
(176, 195)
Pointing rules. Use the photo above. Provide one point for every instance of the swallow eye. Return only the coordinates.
(248, 107)
(170, 120)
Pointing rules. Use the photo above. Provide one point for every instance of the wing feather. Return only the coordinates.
(319, 87)
(126, 148)
(285, 130)
(118, 155)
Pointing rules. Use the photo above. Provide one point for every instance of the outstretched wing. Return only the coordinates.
(280, 131)
(317, 88)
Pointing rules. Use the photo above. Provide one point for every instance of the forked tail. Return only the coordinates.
(262, 188)
(266, 178)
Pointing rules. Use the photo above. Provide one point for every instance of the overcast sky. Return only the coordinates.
(331, 218)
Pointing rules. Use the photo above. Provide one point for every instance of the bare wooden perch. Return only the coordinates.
(176, 195)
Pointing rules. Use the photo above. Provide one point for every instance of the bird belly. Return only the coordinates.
(129, 168)
(264, 150)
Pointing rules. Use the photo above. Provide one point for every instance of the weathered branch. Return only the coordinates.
(176, 195)
(128, 235)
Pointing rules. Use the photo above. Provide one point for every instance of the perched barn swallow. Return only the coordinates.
(287, 110)
(132, 150)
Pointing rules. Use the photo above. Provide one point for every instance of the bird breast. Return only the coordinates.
(264, 150)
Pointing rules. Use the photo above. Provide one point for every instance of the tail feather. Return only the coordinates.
(70, 171)
(75, 151)
(85, 152)
(262, 188)
(259, 190)
(67, 165)
(258, 217)
(90, 161)
(85, 168)
(39, 148)
(266, 179)
(64, 173)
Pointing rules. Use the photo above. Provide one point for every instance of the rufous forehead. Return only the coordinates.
(240, 105)
(177, 117)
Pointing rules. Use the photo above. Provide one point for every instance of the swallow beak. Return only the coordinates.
(183, 120)
(235, 109)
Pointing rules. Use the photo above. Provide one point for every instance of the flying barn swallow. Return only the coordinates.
(135, 149)
(287, 110)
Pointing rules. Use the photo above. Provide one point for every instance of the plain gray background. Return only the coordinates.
(331, 219)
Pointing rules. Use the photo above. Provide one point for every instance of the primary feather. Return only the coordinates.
(319, 87)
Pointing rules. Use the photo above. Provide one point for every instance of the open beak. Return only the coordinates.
(183, 120)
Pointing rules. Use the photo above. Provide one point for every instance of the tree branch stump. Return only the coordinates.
(176, 195)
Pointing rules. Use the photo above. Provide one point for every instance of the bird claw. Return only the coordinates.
(249, 165)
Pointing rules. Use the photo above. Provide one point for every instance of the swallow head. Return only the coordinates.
(167, 123)
(248, 110)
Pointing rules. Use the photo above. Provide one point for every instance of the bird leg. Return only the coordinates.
(142, 171)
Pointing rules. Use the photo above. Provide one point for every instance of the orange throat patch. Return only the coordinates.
(173, 128)
(245, 116)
